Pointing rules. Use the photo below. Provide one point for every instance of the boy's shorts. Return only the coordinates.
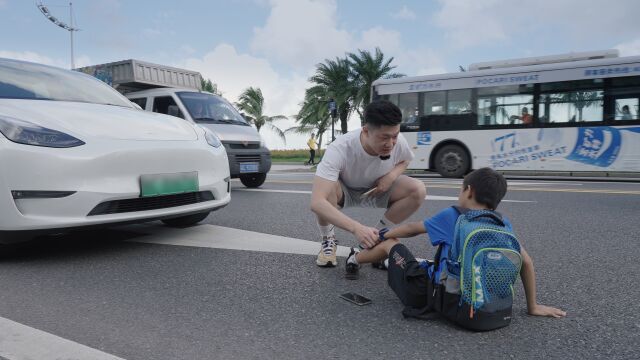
(353, 198)
(407, 278)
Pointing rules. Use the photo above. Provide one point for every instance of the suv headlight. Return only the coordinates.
(24, 132)
(262, 143)
(211, 138)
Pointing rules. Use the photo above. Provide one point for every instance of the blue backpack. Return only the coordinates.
(473, 278)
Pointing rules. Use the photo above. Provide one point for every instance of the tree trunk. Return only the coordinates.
(344, 119)
(580, 114)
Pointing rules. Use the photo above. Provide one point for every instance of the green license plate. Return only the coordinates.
(168, 184)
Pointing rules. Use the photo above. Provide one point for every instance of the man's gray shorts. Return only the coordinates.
(353, 198)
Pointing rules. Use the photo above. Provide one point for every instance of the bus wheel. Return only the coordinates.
(452, 161)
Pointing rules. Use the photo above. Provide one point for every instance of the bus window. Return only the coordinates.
(459, 101)
(391, 97)
(626, 92)
(408, 104)
(571, 106)
(505, 105)
(434, 103)
(627, 109)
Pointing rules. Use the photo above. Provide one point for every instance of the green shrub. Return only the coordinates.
(291, 154)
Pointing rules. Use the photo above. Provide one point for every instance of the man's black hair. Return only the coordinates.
(382, 112)
(489, 186)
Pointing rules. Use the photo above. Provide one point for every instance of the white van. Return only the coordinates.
(249, 158)
(178, 92)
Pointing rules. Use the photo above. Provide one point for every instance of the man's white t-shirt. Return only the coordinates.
(346, 160)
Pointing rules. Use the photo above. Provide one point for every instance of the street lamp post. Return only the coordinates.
(69, 28)
(334, 113)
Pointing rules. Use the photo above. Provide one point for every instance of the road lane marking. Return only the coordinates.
(21, 342)
(220, 237)
(533, 189)
(591, 191)
(428, 197)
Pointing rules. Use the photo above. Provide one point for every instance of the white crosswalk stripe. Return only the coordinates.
(220, 237)
(21, 342)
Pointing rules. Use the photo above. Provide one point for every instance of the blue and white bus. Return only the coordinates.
(573, 113)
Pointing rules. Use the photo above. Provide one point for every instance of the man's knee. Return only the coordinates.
(417, 190)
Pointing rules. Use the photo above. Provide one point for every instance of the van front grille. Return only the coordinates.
(242, 146)
(248, 158)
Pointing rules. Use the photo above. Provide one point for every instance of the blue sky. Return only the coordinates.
(274, 44)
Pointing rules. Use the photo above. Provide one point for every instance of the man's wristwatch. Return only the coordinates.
(381, 233)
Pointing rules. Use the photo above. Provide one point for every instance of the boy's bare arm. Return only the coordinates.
(406, 230)
(528, 276)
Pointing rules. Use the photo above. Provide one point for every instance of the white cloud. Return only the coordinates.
(478, 23)
(409, 61)
(28, 56)
(234, 72)
(470, 22)
(631, 48)
(404, 14)
(389, 41)
(35, 57)
(301, 33)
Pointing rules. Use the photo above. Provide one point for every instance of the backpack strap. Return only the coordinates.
(424, 313)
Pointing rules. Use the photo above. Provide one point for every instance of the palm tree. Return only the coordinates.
(313, 116)
(368, 68)
(334, 79)
(251, 104)
(209, 86)
(579, 99)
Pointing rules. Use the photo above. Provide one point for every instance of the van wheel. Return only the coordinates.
(185, 221)
(452, 161)
(253, 180)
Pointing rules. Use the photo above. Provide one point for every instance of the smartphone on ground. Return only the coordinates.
(356, 299)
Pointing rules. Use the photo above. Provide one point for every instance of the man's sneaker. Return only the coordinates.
(327, 254)
(352, 269)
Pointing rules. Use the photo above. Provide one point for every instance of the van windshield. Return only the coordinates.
(207, 108)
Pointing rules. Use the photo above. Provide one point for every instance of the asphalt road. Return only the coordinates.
(125, 293)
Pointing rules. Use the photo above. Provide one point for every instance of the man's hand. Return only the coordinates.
(383, 184)
(367, 236)
(543, 310)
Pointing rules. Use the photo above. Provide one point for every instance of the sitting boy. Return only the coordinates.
(481, 189)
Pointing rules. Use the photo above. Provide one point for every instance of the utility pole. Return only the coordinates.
(333, 110)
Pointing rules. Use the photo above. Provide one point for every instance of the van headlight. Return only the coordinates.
(24, 132)
(262, 143)
(211, 138)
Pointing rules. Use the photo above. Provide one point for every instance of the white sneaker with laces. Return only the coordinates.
(327, 255)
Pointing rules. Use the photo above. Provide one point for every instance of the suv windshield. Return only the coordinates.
(209, 108)
(23, 80)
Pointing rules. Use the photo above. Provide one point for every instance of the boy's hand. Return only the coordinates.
(543, 310)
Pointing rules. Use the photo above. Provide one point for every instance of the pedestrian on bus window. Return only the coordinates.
(626, 114)
(526, 118)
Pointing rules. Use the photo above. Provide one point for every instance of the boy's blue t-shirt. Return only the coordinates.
(441, 226)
